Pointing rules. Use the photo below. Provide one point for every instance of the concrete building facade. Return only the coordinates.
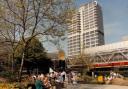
(86, 29)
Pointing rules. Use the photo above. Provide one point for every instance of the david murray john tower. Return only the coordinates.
(86, 29)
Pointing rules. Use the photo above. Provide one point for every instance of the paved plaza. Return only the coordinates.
(95, 86)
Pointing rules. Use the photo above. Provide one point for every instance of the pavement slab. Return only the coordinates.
(95, 86)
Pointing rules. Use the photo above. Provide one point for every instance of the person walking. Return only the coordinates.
(46, 82)
(39, 84)
(59, 81)
(52, 80)
(74, 79)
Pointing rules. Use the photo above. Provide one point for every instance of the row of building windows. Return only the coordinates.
(71, 33)
(74, 40)
(74, 51)
(77, 42)
(89, 6)
(91, 32)
(91, 42)
(88, 13)
(74, 48)
(72, 44)
(93, 45)
(92, 12)
(74, 37)
(89, 27)
(91, 39)
(90, 19)
(89, 36)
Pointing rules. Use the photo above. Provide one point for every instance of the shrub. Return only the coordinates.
(8, 75)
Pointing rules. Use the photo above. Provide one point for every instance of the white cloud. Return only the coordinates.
(124, 38)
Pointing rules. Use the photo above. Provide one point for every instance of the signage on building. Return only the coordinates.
(112, 64)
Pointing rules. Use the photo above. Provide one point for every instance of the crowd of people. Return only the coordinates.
(52, 80)
(112, 76)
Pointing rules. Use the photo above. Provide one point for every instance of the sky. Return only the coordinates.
(115, 20)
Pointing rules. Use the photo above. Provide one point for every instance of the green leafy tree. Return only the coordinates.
(34, 50)
(34, 55)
